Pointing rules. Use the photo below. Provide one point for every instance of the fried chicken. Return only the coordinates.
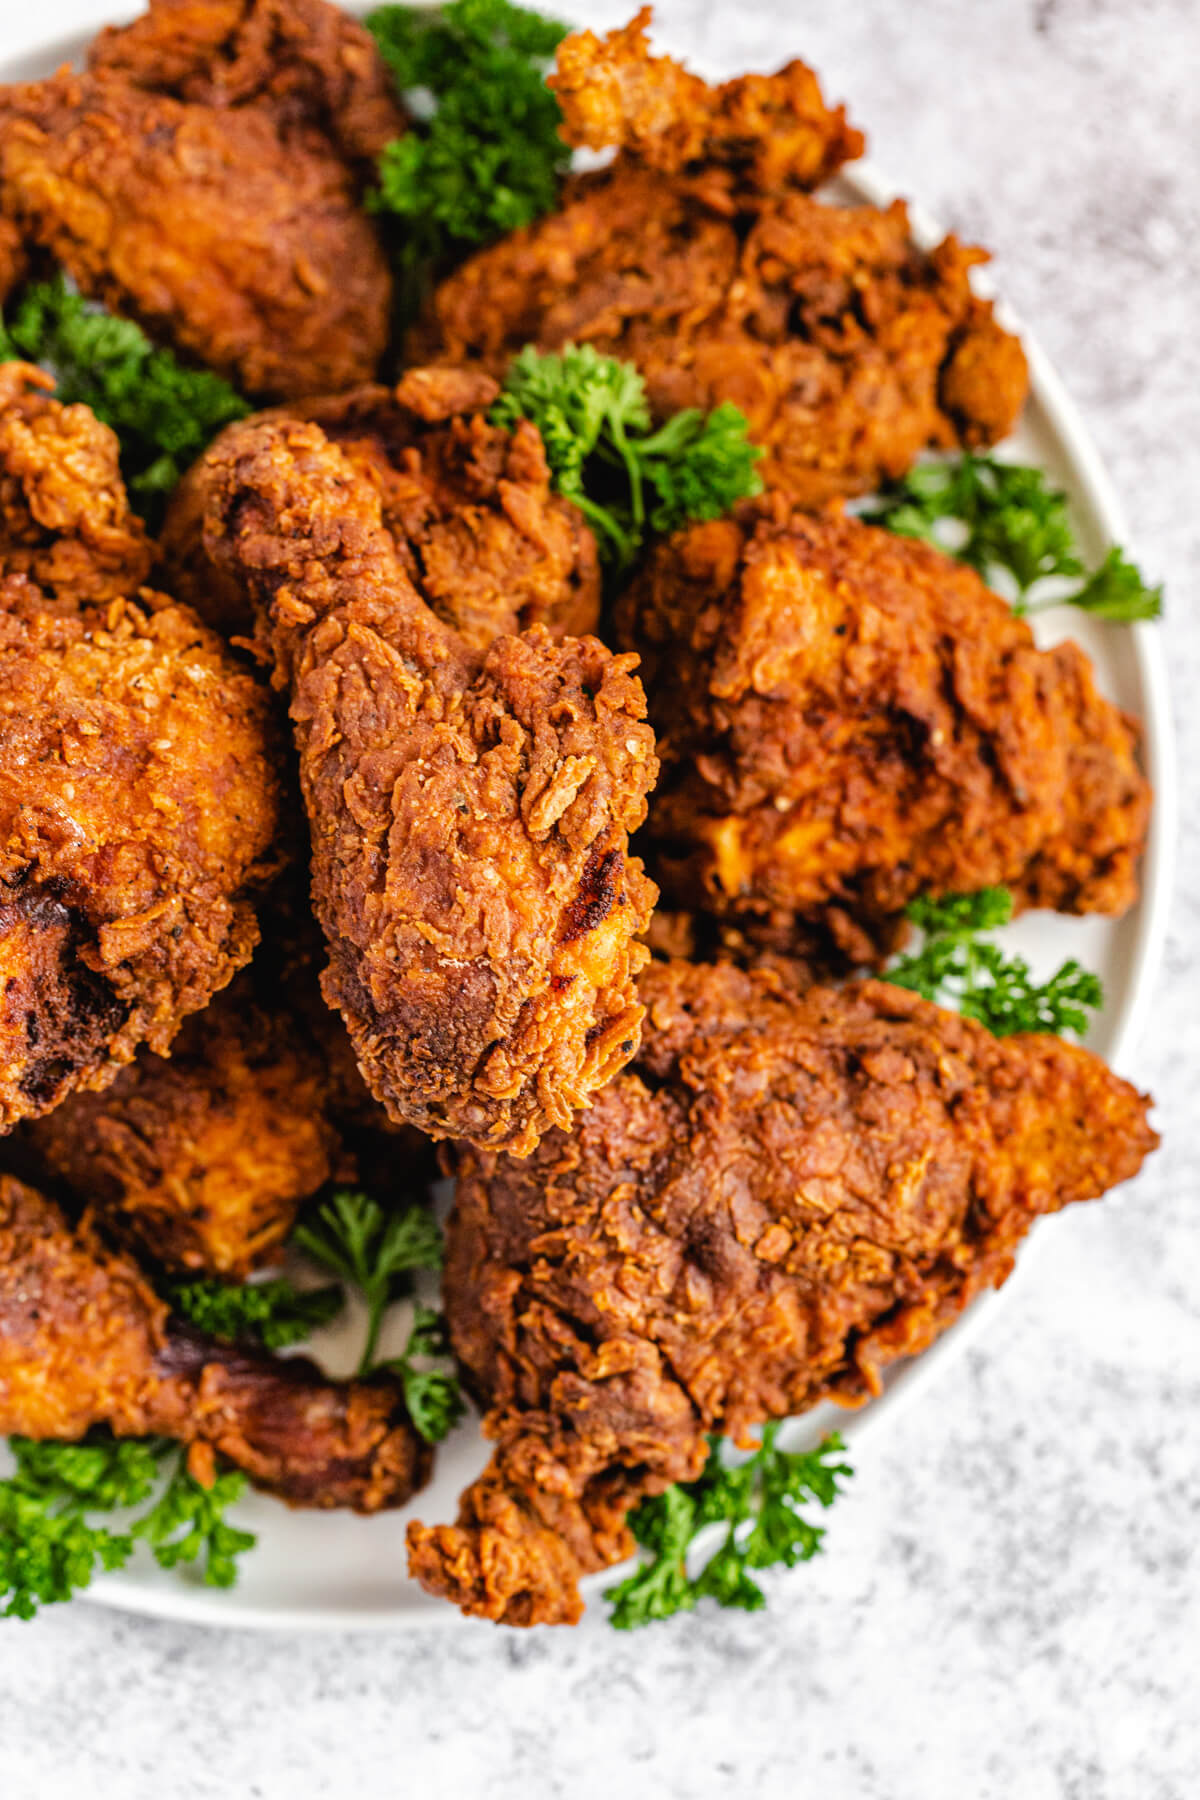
(85, 1342)
(847, 718)
(139, 798)
(204, 177)
(314, 65)
(468, 506)
(65, 519)
(201, 1159)
(783, 1195)
(698, 256)
(758, 132)
(469, 809)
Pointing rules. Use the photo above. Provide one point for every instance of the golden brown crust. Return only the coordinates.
(469, 811)
(138, 809)
(847, 718)
(848, 349)
(139, 794)
(783, 1195)
(235, 238)
(468, 506)
(202, 1159)
(65, 520)
(309, 60)
(761, 132)
(700, 256)
(84, 1342)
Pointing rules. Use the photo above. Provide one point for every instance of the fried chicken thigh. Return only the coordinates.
(784, 1194)
(847, 718)
(469, 808)
(699, 255)
(139, 798)
(85, 1342)
(204, 178)
(468, 506)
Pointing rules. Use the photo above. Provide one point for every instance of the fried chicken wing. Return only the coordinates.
(698, 256)
(468, 506)
(204, 178)
(469, 809)
(785, 1193)
(139, 798)
(84, 1342)
(847, 718)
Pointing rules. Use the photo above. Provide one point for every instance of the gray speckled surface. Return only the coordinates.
(1010, 1606)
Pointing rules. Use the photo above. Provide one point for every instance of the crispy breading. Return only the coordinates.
(138, 810)
(784, 1194)
(699, 256)
(469, 810)
(314, 64)
(467, 504)
(204, 177)
(65, 519)
(847, 718)
(201, 1159)
(84, 1342)
(139, 794)
(761, 131)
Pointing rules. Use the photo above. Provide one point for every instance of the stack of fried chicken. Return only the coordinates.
(692, 1195)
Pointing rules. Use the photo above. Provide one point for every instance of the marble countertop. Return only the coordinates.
(1009, 1608)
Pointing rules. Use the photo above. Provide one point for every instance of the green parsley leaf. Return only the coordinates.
(1007, 521)
(594, 420)
(49, 1548)
(163, 412)
(188, 1522)
(351, 1235)
(483, 155)
(758, 1499)
(957, 966)
(272, 1313)
(1117, 591)
(433, 1397)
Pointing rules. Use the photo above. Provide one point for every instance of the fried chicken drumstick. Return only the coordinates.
(204, 177)
(785, 1193)
(469, 808)
(847, 718)
(139, 795)
(699, 255)
(84, 1342)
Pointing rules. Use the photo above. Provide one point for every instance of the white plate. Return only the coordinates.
(334, 1571)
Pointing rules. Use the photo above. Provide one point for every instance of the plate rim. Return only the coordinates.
(1093, 488)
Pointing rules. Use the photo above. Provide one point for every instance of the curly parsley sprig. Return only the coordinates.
(432, 1394)
(483, 155)
(758, 1499)
(273, 1313)
(594, 419)
(957, 966)
(1009, 523)
(163, 412)
(353, 1237)
(50, 1546)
